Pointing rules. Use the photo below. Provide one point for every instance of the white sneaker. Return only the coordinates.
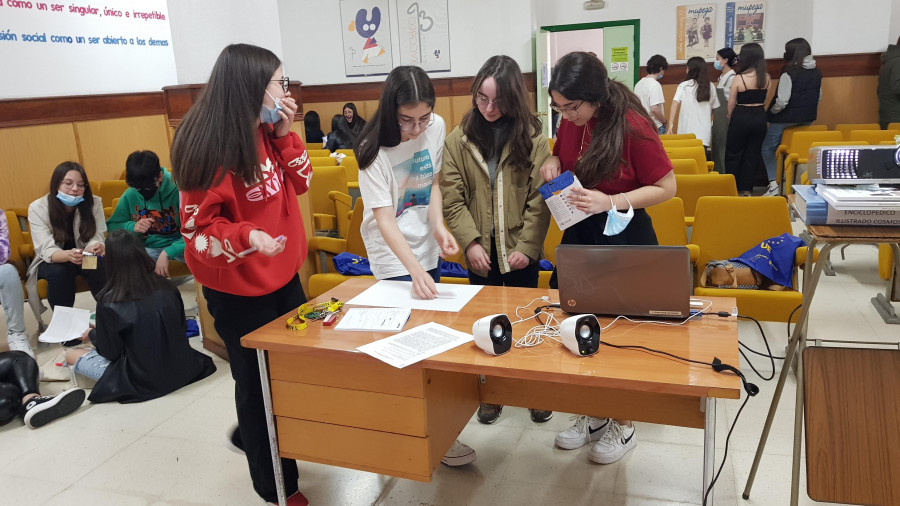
(459, 455)
(585, 430)
(19, 342)
(617, 441)
(772, 190)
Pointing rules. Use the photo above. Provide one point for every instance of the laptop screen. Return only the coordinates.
(647, 281)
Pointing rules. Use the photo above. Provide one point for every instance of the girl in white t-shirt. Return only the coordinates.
(697, 98)
(399, 153)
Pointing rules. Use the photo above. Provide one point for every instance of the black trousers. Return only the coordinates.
(526, 277)
(18, 377)
(61, 281)
(590, 231)
(236, 316)
(743, 146)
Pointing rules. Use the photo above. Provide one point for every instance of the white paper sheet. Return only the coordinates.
(415, 344)
(399, 293)
(68, 323)
(390, 319)
(556, 195)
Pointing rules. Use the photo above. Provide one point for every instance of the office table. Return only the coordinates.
(828, 237)
(337, 406)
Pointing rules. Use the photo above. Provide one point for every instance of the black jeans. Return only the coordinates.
(61, 281)
(526, 277)
(743, 147)
(18, 378)
(236, 316)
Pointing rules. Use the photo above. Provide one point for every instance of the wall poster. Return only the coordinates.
(424, 34)
(366, 29)
(744, 23)
(696, 34)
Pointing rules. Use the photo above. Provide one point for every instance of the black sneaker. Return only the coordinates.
(234, 442)
(72, 343)
(40, 411)
(489, 413)
(539, 416)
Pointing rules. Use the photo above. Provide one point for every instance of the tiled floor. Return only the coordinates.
(171, 451)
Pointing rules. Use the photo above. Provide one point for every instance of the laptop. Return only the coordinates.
(646, 281)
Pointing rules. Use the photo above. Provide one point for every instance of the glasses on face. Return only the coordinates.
(483, 101)
(284, 83)
(409, 124)
(569, 111)
(68, 184)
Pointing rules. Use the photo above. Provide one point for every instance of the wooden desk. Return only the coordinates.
(337, 406)
(829, 237)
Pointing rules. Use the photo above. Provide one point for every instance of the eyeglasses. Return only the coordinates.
(69, 184)
(284, 83)
(567, 110)
(483, 101)
(409, 124)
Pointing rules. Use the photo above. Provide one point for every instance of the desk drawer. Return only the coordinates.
(352, 408)
(354, 372)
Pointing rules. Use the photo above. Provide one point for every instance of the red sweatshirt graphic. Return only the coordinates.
(217, 222)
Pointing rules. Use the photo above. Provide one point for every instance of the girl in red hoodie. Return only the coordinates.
(240, 168)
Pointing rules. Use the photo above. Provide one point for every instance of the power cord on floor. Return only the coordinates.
(724, 455)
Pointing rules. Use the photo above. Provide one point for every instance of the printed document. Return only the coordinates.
(556, 193)
(68, 323)
(415, 344)
(389, 319)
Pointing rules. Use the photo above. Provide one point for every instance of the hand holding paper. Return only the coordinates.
(556, 194)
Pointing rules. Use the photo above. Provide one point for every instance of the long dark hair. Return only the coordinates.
(313, 126)
(358, 122)
(129, 269)
(340, 131)
(698, 73)
(405, 85)
(218, 133)
(729, 55)
(753, 58)
(795, 50)
(512, 99)
(582, 76)
(57, 210)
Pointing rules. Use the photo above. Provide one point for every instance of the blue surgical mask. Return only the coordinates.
(69, 200)
(269, 115)
(659, 76)
(616, 221)
(717, 65)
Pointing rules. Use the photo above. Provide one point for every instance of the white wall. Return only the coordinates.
(202, 28)
(859, 27)
(311, 35)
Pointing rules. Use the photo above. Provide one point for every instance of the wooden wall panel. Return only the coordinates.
(29, 156)
(105, 144)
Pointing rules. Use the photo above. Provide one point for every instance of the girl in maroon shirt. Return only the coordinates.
(608, 141)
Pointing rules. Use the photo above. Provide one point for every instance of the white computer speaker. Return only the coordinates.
(581, 334)
(493, 334)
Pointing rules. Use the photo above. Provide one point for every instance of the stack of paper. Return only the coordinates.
(68, 323)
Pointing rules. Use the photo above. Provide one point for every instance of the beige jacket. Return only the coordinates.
(45, 246)
(515, 210)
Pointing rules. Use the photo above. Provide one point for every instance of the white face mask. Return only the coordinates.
(616, 222)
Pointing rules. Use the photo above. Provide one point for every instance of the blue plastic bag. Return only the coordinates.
(774, 258)
(192, 328)
(453, 270)
(545, 265)
(352, 265)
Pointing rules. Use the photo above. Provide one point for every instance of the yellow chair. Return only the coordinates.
(686, 166)
(887, 143)
(804, 176)
(351, 169)
(110, 189)
(681, 143)
(551, 142)
(318, 152)
(726, 227)
(668, 222)
(671, 137)
(325, 181)
(695, 152)
(872, 136)
(845, 128)
(324, 249)
(885, 261)
(893, 126)
(322, 161)
(314, 145)
(788, 134)
(551, 241)
(108, 211)
(798, 151)
(346, 152)
(691, 188)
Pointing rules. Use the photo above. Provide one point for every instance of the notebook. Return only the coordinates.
(647, 281)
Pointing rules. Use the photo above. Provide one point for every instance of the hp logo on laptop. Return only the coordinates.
(570, 303)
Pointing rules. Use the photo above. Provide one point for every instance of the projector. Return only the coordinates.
(854, 165)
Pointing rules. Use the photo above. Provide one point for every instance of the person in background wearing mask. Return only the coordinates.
(649, 91)
(65, 224)
(726, 59)
(150, 208)
(606, 139)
